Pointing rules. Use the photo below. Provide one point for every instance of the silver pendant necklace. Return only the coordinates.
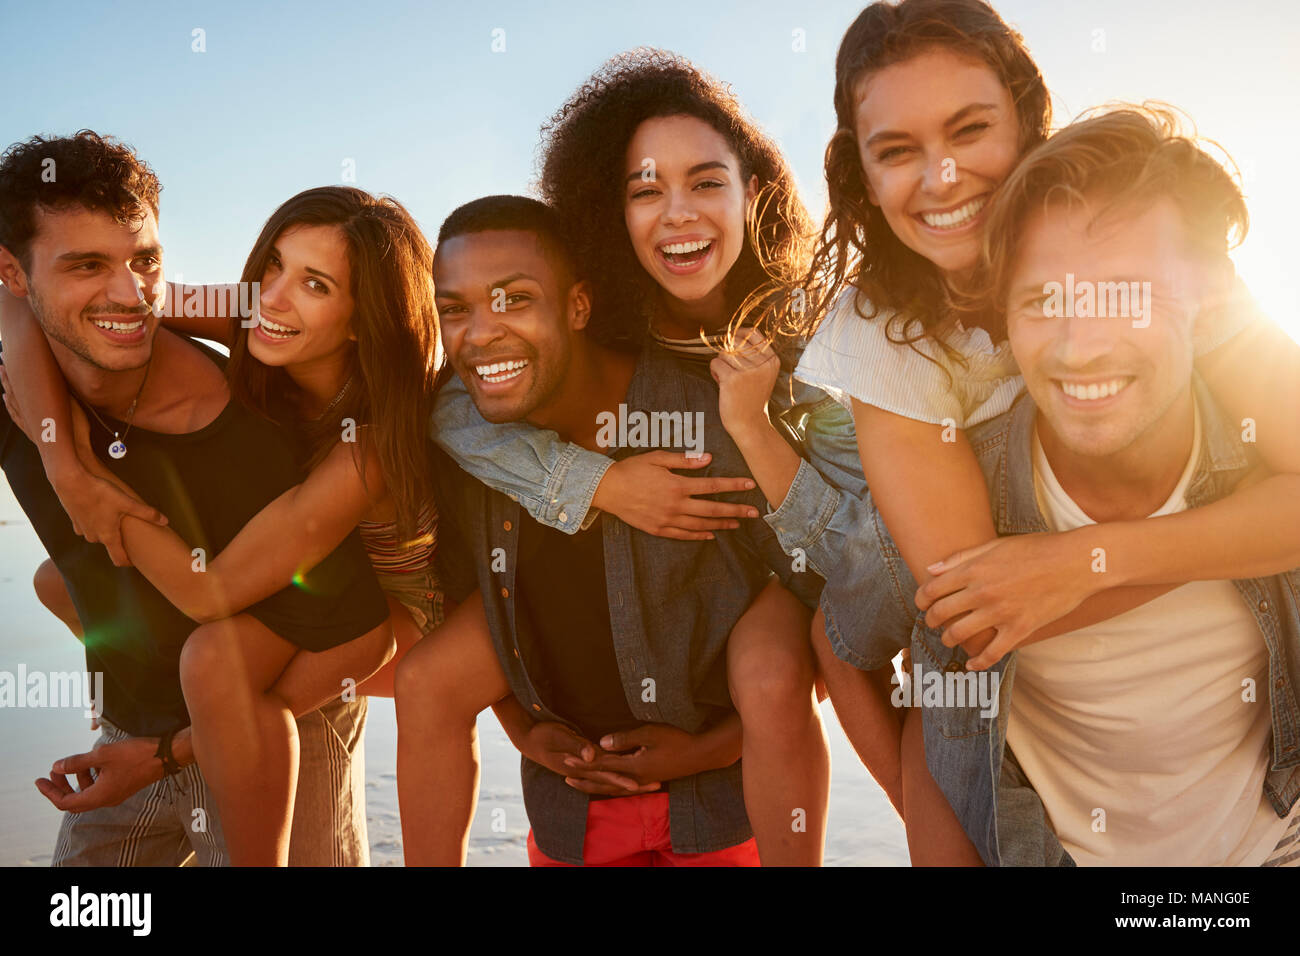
(117, 448)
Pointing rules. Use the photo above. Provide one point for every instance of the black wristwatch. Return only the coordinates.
(164, 753)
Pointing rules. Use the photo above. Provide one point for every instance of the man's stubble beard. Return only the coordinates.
(1135, 432)
(65, 337)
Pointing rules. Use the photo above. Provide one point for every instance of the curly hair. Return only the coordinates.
(392, 364)
(583, 155)
(97, 172)
(857, 247)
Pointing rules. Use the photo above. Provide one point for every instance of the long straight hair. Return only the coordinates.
(391, 364)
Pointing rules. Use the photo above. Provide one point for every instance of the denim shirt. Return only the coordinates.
(672, 607)
(821, 519)
(966, 753)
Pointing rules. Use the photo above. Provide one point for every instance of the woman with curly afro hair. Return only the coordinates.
(607, 170)
(679, 209)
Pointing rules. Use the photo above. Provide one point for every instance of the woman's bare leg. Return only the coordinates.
(786, 761)
(52, 591)
(405, 632)
(861, 702)
(351, 669)
(246, 745)
(244, 733)
(934, 834)
(443, 683)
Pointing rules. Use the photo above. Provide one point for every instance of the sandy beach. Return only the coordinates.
(862, 830)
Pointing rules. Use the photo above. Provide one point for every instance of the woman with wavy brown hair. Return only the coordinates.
(936, 102)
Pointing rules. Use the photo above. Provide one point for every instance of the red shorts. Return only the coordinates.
(633, 831)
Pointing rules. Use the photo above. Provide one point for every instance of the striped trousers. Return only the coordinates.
(174, 822)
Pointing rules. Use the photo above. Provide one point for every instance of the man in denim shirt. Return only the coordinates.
(1137, 739)
(671, 604)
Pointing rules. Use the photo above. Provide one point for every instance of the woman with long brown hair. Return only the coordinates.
(341, 353)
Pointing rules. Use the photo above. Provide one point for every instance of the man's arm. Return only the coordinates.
(553, 480)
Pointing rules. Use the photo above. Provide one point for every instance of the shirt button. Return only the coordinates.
(507, 526)
(505, 592)
(1263, 607)
(428, 595)
(563, 517)
(537, 706)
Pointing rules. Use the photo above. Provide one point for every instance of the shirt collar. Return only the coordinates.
(1222, 460)
(657, 381)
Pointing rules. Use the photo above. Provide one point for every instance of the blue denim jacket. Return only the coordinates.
(672, 607)
(821, 517)
(967, 754)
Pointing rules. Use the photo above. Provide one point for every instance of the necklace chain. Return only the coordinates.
(335, 400)
(118, 448)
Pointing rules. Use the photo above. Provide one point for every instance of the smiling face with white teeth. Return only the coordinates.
(1104, 384)
(936, 133)
(687, 224)
(508, 312)
(92, 283)
(305, 303)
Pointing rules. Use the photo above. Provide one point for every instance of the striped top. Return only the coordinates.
(388, 555)
(1287, 851)
(853, 357)
(701, 349)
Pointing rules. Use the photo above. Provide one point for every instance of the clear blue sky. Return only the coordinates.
(415, 95)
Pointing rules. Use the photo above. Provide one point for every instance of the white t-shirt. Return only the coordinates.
(1139, 723)
(855, 357)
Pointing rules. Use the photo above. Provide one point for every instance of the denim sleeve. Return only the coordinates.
(821, 510)
(829, 516)
(553, 480)
(804, 584)
(812, 519)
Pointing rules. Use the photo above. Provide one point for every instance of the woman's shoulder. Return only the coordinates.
(856, 330)
(877, 357)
